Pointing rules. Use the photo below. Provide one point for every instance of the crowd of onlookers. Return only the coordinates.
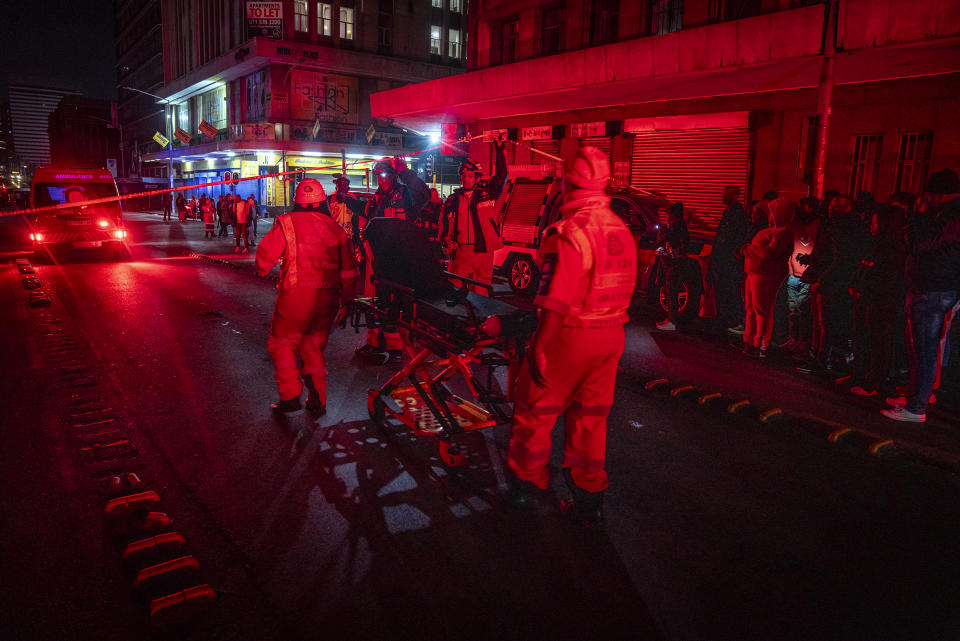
(868, 288)
(230, 210)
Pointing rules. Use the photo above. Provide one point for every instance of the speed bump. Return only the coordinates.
(174, 568)
(124, 504)
(167, 542)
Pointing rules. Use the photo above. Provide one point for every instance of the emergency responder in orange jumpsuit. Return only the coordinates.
(589, 270)
(394, 199)
(318, 272)
(345, 208)
(464, 224)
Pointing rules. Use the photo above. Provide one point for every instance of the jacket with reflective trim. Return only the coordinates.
(315, 251)
(589, 265)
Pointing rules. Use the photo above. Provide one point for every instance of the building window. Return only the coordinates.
(324, 19)
(666, 16)
(301, 16)
(437, 4)
(864, 163)
(435, 40)
(604, 16)
(553, 24)
(508, 41)
(456, 6)
(385, 27)
(213, 107)
(456, 49)
(913, 161)
(256, 98)
(346, 23)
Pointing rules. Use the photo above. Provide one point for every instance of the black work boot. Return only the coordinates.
(314, 405)
(584, 509)
(522, 498)
(288, 407)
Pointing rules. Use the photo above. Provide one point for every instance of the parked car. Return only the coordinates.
(528, 205)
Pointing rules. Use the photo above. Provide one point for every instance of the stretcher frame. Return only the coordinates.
(417, 395)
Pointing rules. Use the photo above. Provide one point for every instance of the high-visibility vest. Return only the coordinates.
(312, 257)
(608, 254)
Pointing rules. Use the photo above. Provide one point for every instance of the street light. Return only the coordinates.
(166, 103)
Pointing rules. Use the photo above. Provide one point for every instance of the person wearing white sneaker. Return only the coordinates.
(903, 414)
(666, 326)
(932, 268)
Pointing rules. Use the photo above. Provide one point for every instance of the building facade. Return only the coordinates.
(259, 88)
(84, 132)
(687, 96)
(139, 62)
(30, 109)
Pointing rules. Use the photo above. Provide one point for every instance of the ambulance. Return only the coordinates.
(76, 224)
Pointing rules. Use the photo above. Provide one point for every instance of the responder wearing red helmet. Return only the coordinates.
(318, 272)
(589, 271)
(400, 194)
(469, 231)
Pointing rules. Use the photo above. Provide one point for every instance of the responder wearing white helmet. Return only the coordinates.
(467, 226)
(589, 271)
(317, 274)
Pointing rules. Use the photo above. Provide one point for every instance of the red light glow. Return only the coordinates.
(103, 223)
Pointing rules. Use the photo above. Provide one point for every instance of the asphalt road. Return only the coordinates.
(718, 525)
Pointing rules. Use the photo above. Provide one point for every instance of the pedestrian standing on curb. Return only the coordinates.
(209, 219)
(932, 275)
(672, 242)
(806, 226)
(253, 212)
(181, 208)
(725, 269)
(242, 222)
(228, 217)
(765, 264)
(318, 274)
(167, 200)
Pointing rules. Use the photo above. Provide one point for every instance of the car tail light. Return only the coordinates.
(36, 237)
(103, 223)
(120, 234)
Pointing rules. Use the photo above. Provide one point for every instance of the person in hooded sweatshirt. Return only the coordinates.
(876, 293)
(765, 266)
(673, 240)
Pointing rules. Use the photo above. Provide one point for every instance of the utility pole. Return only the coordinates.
(825, 95)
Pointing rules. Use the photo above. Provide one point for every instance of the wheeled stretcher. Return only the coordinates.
(455, 341)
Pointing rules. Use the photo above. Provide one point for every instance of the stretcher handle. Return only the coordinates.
(487, 286)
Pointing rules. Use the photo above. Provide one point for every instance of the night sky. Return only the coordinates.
(58, 43)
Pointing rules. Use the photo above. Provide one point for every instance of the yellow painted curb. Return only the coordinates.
(706, 398)
(771, 414)
(660, 381)
(733, 407)
(837, 434)
(876, 446)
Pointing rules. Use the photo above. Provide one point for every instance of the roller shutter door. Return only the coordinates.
(603, 143)
(550, 167)
(692, 165)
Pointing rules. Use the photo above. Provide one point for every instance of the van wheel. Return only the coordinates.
(522, 274)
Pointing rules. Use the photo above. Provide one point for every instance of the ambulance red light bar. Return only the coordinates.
(37, 237)
(120, 234)
(103, 223)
